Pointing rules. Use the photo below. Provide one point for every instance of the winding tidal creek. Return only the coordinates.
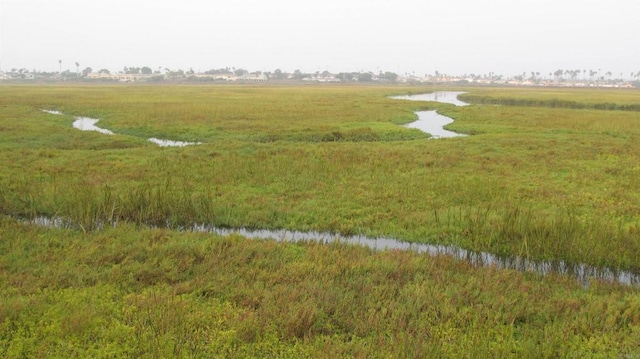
(89, 124)
(583, 273)
(431, 121)
(428, 121)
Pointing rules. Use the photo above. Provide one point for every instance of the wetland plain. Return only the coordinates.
(533, 180)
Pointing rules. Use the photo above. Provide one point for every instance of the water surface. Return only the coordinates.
(53, 112)
(89, 124)
(169, 143)
(450, 97)
(433, 123)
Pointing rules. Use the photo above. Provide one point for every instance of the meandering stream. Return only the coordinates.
(583, 273)
(431, 121)
(428, 121)
(89, 124)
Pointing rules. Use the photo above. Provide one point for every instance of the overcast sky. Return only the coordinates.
(423, 36)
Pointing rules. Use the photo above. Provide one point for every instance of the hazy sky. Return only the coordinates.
(423, 36)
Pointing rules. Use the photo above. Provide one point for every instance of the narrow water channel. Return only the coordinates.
(428, 121)
(583, 273)
(89, 124)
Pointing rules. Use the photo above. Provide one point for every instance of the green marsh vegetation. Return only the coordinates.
(131, 292)
(577, 98)
(537, 181)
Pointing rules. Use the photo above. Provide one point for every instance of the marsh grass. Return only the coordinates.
(576, 98)
(127, 291)
(213, 113)
(539, 182)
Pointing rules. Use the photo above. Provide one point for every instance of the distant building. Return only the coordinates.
(118, 76)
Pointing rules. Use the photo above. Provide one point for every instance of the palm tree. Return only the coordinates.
(77, 69)
(60, 63)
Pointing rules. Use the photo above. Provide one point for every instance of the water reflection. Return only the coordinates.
(433, 123)
(169, 143)
(53, 112)
(89, 124)
(450, 97)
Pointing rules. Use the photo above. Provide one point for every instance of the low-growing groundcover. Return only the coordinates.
(534, 179)
(130, 292)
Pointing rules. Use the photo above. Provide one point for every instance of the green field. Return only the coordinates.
(546, 174)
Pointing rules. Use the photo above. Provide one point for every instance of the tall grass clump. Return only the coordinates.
(163, 206)
(560, 235)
